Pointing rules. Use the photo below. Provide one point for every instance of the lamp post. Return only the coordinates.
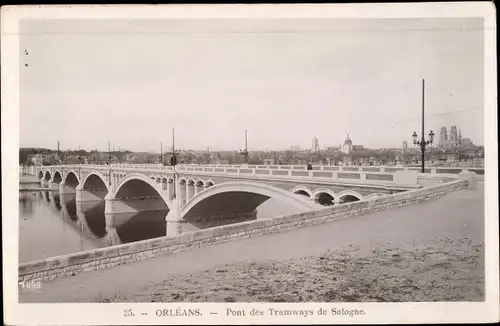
(173, 160)
(245, 151)
(60, 159)
(422, 143)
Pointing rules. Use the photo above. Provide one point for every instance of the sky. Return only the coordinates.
(284, 80)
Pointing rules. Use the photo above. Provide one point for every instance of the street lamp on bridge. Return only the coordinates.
(61, 159)
(422, 143)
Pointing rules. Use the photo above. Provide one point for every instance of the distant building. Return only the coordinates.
(466, 143)
(358, 148)
(443, 135)
(333, 149)
(347, 147)
(453, 134)
(454, 140)
(315, 145)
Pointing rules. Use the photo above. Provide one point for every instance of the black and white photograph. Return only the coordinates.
(248, 160)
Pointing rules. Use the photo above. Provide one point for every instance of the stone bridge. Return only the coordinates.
(188, 191)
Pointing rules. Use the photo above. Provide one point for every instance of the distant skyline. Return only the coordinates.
(286, 81)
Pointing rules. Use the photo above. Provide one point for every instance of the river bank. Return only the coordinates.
(443, 270)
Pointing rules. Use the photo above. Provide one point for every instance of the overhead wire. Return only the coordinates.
(449, 113)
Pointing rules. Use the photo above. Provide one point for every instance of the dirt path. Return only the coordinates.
(456, 218)
(443, 270)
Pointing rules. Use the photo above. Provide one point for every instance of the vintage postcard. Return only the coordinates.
(250, 164)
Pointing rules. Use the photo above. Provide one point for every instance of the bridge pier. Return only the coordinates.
(174, 214)
(121, 205)
(64, 189)
(116, 206)
(52, 185)
(83, 195)
(44, 183)
(173, 228)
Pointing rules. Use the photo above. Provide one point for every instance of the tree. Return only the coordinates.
(23, 158)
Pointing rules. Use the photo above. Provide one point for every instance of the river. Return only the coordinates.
(51, 224)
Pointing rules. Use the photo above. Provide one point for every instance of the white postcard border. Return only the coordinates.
(77, 314)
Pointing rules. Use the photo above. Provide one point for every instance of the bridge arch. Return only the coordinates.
(301, 190)
(40, 174)
(48, 176)
(240, 197)
(209, 183)
(57, 177)
(324, 197)
(138, 185)
(71, 179)
(97, 184)
(349, 196)
(95, 174)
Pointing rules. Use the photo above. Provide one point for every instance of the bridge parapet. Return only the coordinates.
(339, 168)
(327, 174)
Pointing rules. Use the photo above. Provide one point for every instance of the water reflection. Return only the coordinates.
(57, 202)
(54, 224)
(26, 204)
(141, 226)
(93, 218)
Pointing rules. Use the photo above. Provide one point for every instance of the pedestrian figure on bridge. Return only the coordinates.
(309, 167)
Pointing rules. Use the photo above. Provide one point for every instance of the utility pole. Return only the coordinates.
(161, 152)
(173, 162)
(245, 152)
(423, 129)
(109, 161)
(61, 159)
(422, 142)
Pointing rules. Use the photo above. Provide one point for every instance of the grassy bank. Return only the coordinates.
(444, 270)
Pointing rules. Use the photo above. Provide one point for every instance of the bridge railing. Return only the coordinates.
(381, 168)
(329, 168)
(260, 173)
(365, 175)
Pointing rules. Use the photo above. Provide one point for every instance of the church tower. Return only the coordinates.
(347, 147)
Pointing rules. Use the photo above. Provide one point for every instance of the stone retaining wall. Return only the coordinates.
(62, 266)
